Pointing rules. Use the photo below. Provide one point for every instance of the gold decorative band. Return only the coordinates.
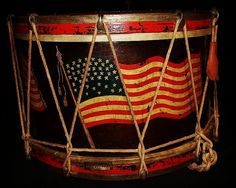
(116, 37)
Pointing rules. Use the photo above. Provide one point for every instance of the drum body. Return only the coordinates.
(113, 96)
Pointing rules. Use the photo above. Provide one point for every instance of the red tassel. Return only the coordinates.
(212, 62)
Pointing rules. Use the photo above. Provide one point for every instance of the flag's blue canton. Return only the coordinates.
(102, 78)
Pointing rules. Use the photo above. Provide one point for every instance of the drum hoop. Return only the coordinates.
(131, 159)
(116, 37)
(117, 17)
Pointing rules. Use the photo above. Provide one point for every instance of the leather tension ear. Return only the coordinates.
(212, 62)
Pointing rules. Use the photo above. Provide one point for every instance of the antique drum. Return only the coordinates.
(117, 96)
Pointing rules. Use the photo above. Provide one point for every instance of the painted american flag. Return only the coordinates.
(36, 99)
(103, 100)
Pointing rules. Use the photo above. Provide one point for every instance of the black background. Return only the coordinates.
(15, 169)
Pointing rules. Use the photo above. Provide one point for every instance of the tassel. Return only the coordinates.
(59, 91)
(60, 77)
(212, 62)
(65, 102)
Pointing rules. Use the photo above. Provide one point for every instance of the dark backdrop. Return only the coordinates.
(15, 169)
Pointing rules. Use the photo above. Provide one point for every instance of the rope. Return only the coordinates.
(77, 111)
(89, 138)
(216, 112)
(160, 81)
(67, 161)
(32, 22)
(27, 146)
(192, 77)
(204, 145)
(141, 148)
(92, 150)
(215, 101)
(14, 62)
(141, 151)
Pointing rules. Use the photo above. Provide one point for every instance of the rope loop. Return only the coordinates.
(215, 13)
(205, 151)
(100, 26)
(32, 18)
(9, 17)
(180, 15)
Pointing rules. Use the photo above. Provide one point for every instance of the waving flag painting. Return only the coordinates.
(104, 99)
(36, 99)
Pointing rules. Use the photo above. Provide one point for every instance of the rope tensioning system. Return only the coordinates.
(204, 144)
(204, 147)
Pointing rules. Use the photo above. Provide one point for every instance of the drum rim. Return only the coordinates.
(186, 149)
(121, 16)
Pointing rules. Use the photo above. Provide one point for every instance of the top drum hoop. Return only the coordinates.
(79, 28)
(127, 91)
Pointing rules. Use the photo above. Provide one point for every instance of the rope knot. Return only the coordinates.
(143, 171)
(26, 137)
(27, 147)
(67, 162)
(204, 149)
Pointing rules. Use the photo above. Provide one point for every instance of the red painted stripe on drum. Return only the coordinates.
(141, 27)
(198, 24)
(114, 27)
(171, 162)
(116, 170)
(48, 159)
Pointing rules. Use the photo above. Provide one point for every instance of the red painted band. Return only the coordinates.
(122, 27)
(117, 170)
